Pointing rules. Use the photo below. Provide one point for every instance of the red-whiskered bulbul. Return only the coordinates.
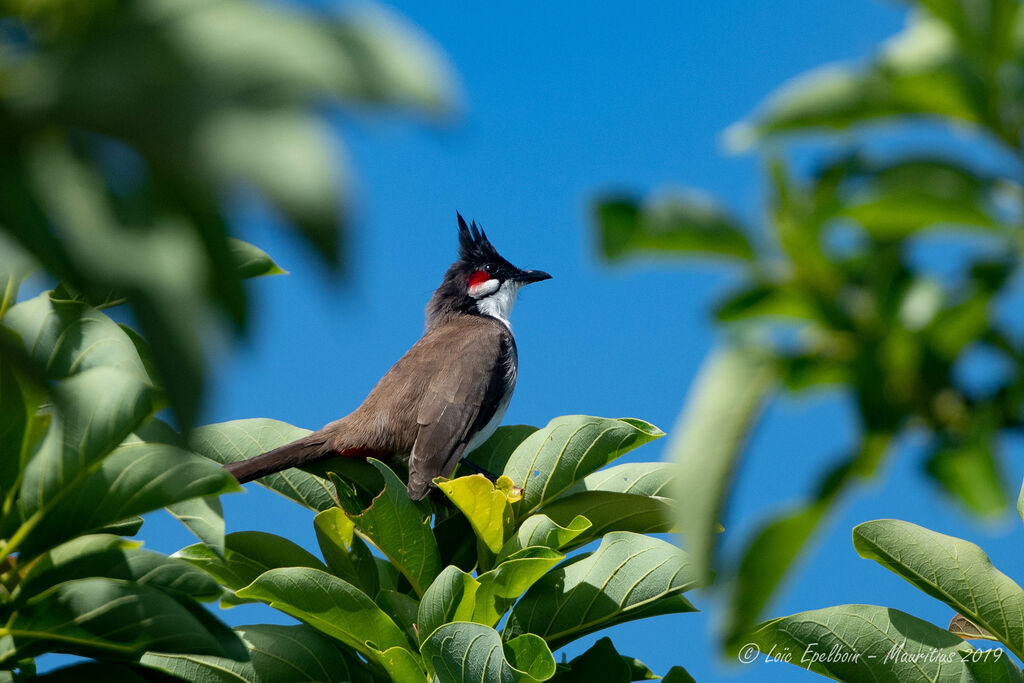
(447, 394)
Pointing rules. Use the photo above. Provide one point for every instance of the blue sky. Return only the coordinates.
(561, 102)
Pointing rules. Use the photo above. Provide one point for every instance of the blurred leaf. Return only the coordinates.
(104, 617)
(777, 543)
(227, 442)
(709, 439)
(247, 555)
(1020, 502)
(969, 473)
(204, 517)
(487, 505)
(330, 605)
(634, 576)
(765, 299)
(464, 652)
(919, 72)
(286, 154)
(278, 653)
(952, 570)
(892, 645)
(400, 528)
(569, 448)
(345, 553)
(902, 198)
(763, 566)
(678, 225)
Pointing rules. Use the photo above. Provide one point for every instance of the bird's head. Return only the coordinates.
(481, 281)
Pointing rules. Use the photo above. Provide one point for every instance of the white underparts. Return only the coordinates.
(499, 303)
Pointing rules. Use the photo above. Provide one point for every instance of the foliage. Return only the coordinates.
(480, 585)
(83, 457)
(127, 129)
(859, 642)
(833, 297)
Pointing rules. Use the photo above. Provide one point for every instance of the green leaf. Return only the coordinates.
(599, 663)
(20, 427)
(247, 555)
(330, 605)
(677, 674)
(865, 642)
(569, 448)
(138, 477)
(97, 408)
(228, 442)
(720, 412)
(765, 300)
(762, 568)
(451, 597)
(464, 652)
(969, 472)
(346, 555)
(278, 653)
(400, 528)
(487, 505)
(107, 671)
(493, 454)
(1020, 502)
(114, 558)
(912, 194)
(251, 261)
(609, 511)
(539, 530)
(66, 338)
(204, 517)
(501, 586)
(104, 617)
(920, 72)
(677, 225)
(402, 609)
(286, 154)
(639, 478)
(955, 571)
(628, 577)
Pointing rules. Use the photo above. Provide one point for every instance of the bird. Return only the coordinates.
(446, 395)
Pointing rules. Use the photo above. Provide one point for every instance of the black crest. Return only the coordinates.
(474, 247)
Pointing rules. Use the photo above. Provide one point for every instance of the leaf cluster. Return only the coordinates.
(834, 295)
(481, 585)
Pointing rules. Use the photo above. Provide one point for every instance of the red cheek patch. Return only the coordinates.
(478, 277)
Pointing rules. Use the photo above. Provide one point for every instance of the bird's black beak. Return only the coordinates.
(528, 276)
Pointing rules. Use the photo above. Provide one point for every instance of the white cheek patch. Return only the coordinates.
(499, 305)
(485, 288)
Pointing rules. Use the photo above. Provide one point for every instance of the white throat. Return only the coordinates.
(499, 304)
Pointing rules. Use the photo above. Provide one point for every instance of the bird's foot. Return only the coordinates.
(479, 470)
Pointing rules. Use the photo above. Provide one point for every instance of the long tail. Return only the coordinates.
(294, 454)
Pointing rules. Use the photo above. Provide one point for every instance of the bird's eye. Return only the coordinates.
(489, 269)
